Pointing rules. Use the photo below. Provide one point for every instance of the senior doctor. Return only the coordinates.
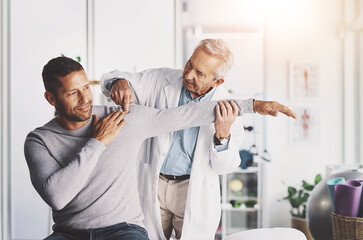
(178, 178)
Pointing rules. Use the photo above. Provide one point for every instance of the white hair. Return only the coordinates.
(218, 48)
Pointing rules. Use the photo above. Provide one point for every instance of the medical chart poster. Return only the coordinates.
(304, 131)
(303, 81)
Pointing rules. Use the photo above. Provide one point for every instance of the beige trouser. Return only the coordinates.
(172, 197)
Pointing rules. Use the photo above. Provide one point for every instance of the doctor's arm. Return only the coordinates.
(125, 87)
(224, 157)
(227, 159)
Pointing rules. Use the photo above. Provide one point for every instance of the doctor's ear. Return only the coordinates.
(217, 82)
(50, 98)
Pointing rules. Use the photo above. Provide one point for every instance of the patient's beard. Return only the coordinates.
(75, 114)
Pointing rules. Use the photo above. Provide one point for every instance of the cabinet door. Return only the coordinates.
(133, 35)
(40, 30)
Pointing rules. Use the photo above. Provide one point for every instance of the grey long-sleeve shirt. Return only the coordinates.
(89, 185)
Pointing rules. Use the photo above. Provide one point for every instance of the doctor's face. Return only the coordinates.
(73, 99)
(198, 74)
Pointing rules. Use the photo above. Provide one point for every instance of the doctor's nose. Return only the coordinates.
(189, 75)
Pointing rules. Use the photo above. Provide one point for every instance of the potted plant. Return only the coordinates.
(298, 198)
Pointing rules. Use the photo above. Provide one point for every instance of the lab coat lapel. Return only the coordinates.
(217, 94)
(173, 90)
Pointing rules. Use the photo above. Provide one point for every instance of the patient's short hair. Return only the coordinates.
(58, 67)
(218, 48)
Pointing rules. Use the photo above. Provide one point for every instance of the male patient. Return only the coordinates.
(85, 168)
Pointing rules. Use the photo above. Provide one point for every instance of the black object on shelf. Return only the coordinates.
(246, 159)
(250, 203)
(249, 128)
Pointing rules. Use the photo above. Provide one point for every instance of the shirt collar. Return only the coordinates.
(189, 97)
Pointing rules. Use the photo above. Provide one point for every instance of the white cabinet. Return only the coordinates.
(236, 218)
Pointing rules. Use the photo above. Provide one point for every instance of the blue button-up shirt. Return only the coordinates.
(179, 159)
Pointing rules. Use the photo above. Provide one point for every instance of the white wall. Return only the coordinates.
(304, 31)
(40, 30)
(132, 36)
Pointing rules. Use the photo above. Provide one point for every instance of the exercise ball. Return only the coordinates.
(319, 206)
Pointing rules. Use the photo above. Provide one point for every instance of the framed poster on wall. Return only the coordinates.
(305, 130)
(303, 80)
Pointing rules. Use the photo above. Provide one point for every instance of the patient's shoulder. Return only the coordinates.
(101, 111)
(140, 111)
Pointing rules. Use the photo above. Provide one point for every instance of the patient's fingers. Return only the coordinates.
(119, 116)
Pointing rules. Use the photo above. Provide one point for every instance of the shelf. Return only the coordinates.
(242, 208)
(247, 170)
(236, 219)
(242, 199)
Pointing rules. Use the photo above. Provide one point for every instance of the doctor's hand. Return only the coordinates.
(121, 94)
(108, 128)
(226, 113)
(272, 108)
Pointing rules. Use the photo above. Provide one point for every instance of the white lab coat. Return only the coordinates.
(161, 88)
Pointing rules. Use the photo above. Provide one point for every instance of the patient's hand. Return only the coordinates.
(108, 128)
(272, 108)
(121, 94)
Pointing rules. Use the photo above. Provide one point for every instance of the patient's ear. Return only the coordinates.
(50, 98)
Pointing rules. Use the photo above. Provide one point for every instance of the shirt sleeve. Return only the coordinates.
(221, 148)
(224, 162)
(110, 82)
(57, 184)
(157, 122)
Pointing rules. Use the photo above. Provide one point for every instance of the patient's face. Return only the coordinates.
(198, 74)
(74, 98)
